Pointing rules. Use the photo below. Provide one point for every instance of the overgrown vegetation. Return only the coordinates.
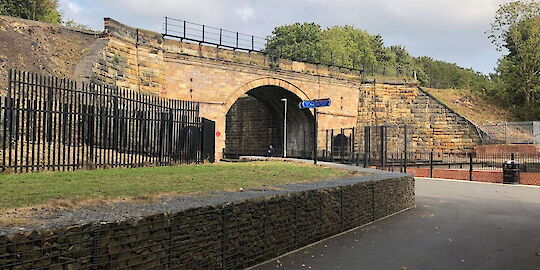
(38, 10)
(72, 188)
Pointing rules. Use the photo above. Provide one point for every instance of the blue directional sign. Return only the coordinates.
(310, 104)
(322, 102)
(307, 104)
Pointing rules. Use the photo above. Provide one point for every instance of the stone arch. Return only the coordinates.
(266, 81)
(255, 116)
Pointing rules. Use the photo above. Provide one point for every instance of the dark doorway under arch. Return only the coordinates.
(255, 121)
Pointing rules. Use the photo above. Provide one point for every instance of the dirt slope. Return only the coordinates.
(471, 106)
(40, 47)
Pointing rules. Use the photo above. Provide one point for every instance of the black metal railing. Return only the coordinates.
(49, 123)
(388, 148)
(215, 36)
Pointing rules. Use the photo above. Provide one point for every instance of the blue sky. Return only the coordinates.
(449, 30)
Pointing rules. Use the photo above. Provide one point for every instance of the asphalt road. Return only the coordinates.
(456, 225)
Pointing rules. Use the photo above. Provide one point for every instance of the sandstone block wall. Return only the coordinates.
(228, 236)
(431, 125)
(132, 58)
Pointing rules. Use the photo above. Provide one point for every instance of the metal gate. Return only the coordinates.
(208, 140)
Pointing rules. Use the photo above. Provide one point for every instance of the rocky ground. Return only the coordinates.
(40, 48)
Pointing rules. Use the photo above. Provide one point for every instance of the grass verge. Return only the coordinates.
(68, 189)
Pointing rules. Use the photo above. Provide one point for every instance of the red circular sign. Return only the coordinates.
(218, 133)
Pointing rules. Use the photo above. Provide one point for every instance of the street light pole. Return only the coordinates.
(285, 129)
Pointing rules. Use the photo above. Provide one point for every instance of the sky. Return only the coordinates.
(448, 30)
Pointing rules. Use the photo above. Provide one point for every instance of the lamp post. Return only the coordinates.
(285, 129)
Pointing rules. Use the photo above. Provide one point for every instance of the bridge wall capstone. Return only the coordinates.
(216, 77)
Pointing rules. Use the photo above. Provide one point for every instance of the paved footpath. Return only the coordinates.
(456, 225)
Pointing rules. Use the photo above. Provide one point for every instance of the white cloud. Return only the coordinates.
(245, 13)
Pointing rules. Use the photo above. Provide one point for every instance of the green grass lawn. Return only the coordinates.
(25, 190)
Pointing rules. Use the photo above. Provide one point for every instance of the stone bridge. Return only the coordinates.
(242, 93)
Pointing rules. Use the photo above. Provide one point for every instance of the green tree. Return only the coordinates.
(37, 10)
(296, 41)
(444, 75)
(382, 54)
(508, 15)
(519, 71)
(347, 46)
(351, 47)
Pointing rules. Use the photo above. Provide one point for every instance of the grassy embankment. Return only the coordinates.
(474, 107)
(50, 189)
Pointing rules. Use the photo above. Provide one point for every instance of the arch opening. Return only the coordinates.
(255, 121)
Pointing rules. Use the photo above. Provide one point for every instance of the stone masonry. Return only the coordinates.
(216, 77)
(431, 125)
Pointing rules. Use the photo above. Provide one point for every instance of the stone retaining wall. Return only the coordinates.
(225, 236)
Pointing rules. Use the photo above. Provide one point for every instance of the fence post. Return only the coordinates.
(315, 131)
(326, 146)
(166, 22)
(367, 146)
(431, 164)
(405, 147)
(203, 33)
(184, 29)
(470, 166)
(332, 145)
(381, 142)
(220, 35)
(341, 146)
(352, 145)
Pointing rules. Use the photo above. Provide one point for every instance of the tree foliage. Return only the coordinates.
(516, 28)
(37, 10)
(519, 71)
(351, 47)
(296, 41)
(508, 15)
(445, 75)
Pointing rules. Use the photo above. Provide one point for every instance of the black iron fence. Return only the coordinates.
(212, 35)
(394, 146)
(50, 123)
(368, 145)
(215, 36)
